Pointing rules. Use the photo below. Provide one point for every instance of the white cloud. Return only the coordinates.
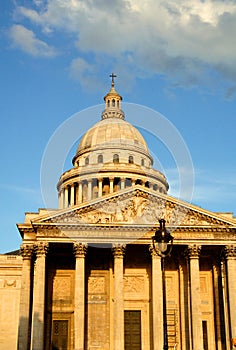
(182, 40)
(26, 40)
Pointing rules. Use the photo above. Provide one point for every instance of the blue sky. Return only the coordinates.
(177, 58)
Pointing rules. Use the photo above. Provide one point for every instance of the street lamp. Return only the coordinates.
(162, 244)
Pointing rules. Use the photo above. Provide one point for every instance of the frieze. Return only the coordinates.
(50, 231)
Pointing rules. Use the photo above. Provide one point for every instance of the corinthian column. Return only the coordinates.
(157, 304)
(118, 252)
(24, 320)
(79, 308)
(230, 255)
(37, 341)
(193, 252)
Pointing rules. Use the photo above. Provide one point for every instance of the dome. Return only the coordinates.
(112, 133)
(111, 157)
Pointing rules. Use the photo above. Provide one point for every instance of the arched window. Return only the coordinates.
(131, 159)
(113, 103)
(100, 158)
(116, 158)
(108, 103)
(87, 161)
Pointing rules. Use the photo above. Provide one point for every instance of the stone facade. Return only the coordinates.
(86, 276)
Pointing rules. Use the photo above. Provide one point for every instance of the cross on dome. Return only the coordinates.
(113, 102)
(112, 76)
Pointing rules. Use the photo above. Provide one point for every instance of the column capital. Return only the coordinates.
(26, 251)
(229, 251)
(80, 250)
(118, 250)
(193, 251)
(41, 248)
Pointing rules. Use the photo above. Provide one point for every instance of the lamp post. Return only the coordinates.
(162, 244)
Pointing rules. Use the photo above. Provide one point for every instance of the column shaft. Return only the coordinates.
(72, 195)
(24, 313)
(111, 185)
(79, 297)
(37, 341)
(118, 252)
(157, 305)
(60, 199)
(99, 187)
(80, 189)
(89, 189)
(195, 297)
(66, 197)
(230, 254)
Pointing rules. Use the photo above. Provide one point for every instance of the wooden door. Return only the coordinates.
(132, 330)
(60, 335)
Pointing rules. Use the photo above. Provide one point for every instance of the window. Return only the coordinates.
(142, 162)
(100, 158)
(113, 103)
(108, 103)
(131, 159)
(87, 161)
(115, 158)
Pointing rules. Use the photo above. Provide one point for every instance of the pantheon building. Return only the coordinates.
(87, 276)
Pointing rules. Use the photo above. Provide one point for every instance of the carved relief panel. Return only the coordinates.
(61, 289)
(98, 320)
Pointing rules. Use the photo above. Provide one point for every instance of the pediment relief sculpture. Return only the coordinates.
(137, 209)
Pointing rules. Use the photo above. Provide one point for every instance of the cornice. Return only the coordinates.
(126, 170)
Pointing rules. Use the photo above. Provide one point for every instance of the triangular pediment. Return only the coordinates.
(136, 206)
